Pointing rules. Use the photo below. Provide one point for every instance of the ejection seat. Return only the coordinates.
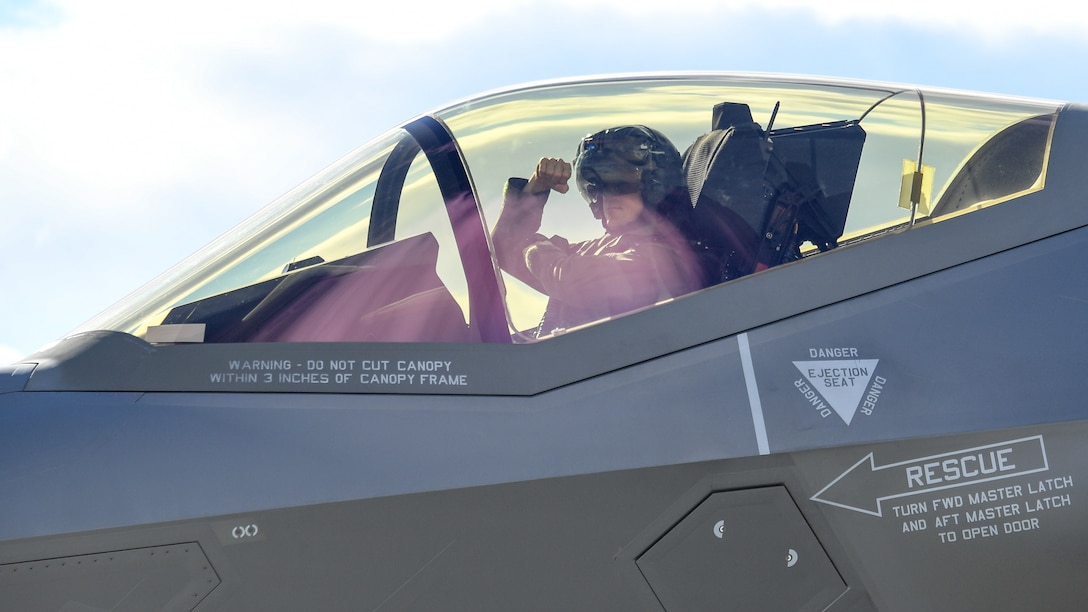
(757, 194)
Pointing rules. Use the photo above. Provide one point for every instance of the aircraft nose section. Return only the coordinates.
(13, 377)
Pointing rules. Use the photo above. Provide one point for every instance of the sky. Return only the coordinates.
(132, 133)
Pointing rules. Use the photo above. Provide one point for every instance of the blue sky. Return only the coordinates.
(132, 133)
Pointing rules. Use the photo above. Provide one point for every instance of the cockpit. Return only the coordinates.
(393, 243)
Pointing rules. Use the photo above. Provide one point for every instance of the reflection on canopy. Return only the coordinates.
(327, 220)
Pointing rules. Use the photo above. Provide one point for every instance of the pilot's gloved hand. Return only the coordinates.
(551, 173)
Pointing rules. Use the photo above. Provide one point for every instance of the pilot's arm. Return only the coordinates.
(522, 211)
(611, 275)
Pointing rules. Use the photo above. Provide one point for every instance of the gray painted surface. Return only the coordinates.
(543, 478)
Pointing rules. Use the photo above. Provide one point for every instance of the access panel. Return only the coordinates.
(742, 550)
(173, 577)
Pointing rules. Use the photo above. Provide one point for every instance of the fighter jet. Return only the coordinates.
(867, 393)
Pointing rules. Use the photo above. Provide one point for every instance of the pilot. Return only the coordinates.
(631, 177)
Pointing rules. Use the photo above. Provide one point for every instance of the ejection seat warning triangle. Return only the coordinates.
(841, 383)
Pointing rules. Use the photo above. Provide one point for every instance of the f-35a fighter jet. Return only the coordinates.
(662, 342)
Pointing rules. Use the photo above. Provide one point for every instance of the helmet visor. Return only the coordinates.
(595, 190)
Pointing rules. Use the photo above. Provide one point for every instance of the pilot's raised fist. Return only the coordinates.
(551, 173)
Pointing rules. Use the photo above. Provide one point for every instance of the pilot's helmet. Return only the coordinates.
(627, 159)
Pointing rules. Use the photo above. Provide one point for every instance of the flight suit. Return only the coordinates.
(647, 262)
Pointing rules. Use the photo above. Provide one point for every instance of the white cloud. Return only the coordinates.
(120, 115)
(9, 355)
(985, 21)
